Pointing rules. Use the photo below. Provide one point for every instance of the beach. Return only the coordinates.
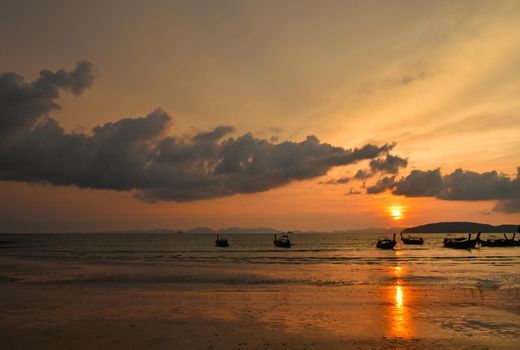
(260, 175)
(391, 301)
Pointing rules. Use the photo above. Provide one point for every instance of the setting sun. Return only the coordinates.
(396, 213)
(299, 174)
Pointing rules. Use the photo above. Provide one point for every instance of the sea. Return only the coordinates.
(314, 258)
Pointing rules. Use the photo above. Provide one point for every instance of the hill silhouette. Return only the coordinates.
(460, 227)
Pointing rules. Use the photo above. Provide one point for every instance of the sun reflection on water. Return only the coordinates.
(399, 297)
(398, 271)
(401, 321)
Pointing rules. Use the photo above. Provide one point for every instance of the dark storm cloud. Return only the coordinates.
(469, 185)
(136, 154)
(362, 174)
(22, 104)
(389, 164)
(343, 180)
(188, 170)
(382, 185)
(420, 184)
(459, 185)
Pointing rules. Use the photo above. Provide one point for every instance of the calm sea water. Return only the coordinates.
(429, 263)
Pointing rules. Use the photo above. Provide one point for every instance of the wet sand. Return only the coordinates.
(50, 304)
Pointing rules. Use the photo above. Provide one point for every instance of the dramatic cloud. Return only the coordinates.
(362, 174)
(459, 185)
(382, 185)
(420, 184)
(188, 169)
(390, 164)
(136, 154)
(22, 104)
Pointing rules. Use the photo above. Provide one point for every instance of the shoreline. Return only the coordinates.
(63, 305)
(50, 316)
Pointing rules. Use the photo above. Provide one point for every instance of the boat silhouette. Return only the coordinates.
(412, 240)
(283, 242)
(386, 243)
(461, 242)
(502, 242)
(221, 242)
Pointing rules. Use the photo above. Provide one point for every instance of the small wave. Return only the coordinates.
(479, 327)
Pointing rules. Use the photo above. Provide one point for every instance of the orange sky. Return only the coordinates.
(439, 78)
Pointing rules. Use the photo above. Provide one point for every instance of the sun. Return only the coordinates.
(396, 213)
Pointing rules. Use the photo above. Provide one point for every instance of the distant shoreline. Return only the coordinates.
(438, 227)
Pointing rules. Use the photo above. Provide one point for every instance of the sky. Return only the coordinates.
(297, 115)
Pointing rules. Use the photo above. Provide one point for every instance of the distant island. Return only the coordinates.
(199, 230)
(267, 230)
(233, 230)
(461, 227)
(438, 227)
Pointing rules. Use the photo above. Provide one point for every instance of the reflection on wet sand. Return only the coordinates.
(401, 321)
(399, 297)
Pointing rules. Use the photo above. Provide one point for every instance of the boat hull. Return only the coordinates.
(500, 243)
(222, 243)
(282, 244)
(412, 241)
(386, 244)
(467, 244)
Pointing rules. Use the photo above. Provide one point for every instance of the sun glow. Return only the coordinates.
(396, 212)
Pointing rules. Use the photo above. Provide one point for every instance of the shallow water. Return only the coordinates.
(328, 290)
(314, 259)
